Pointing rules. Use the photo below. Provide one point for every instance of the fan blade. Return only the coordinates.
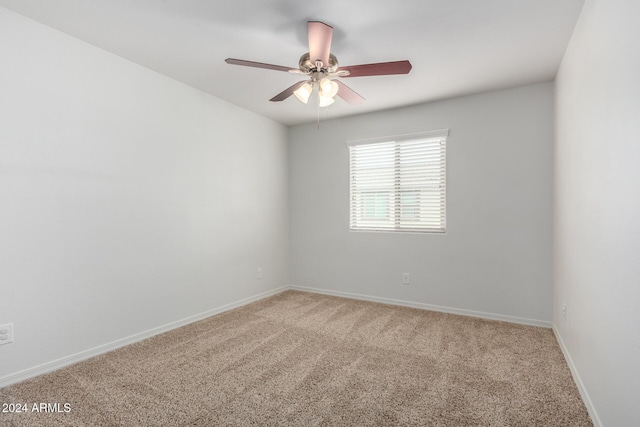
(348, 94)
(242, 62)
(287, 92)
(320, 35)
(378, 69)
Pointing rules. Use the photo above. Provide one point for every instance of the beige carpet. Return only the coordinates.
(302, 359)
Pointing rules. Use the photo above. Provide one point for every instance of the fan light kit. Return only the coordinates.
(327, 89)
(321, 67)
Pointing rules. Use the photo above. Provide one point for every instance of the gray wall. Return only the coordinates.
(597, 209)
(127, 200)
(496, 255)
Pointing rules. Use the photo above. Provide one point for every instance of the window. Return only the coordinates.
(398, 184)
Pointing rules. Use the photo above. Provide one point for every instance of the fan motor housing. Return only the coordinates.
(307, 66)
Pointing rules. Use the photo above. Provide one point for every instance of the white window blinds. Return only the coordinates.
(398, 184)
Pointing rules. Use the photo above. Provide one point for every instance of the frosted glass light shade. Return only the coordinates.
(325, 101)
(304, 92)
(328, 87)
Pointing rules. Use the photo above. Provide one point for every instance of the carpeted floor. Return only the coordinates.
(303, 359)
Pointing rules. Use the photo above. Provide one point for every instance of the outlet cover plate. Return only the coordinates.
(6, 333)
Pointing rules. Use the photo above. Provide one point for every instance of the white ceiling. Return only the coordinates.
(457, 47)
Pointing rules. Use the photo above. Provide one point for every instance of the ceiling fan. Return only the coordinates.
(321, 67)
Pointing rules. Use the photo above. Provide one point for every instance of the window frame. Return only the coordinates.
(395, 219)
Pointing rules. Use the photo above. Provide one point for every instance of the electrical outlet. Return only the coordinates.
(405, 278)
(564, 311)
(6, 333)
(259, 274)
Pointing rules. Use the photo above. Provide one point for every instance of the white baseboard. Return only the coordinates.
(95, 351)
(576, 378)
(450, 310)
